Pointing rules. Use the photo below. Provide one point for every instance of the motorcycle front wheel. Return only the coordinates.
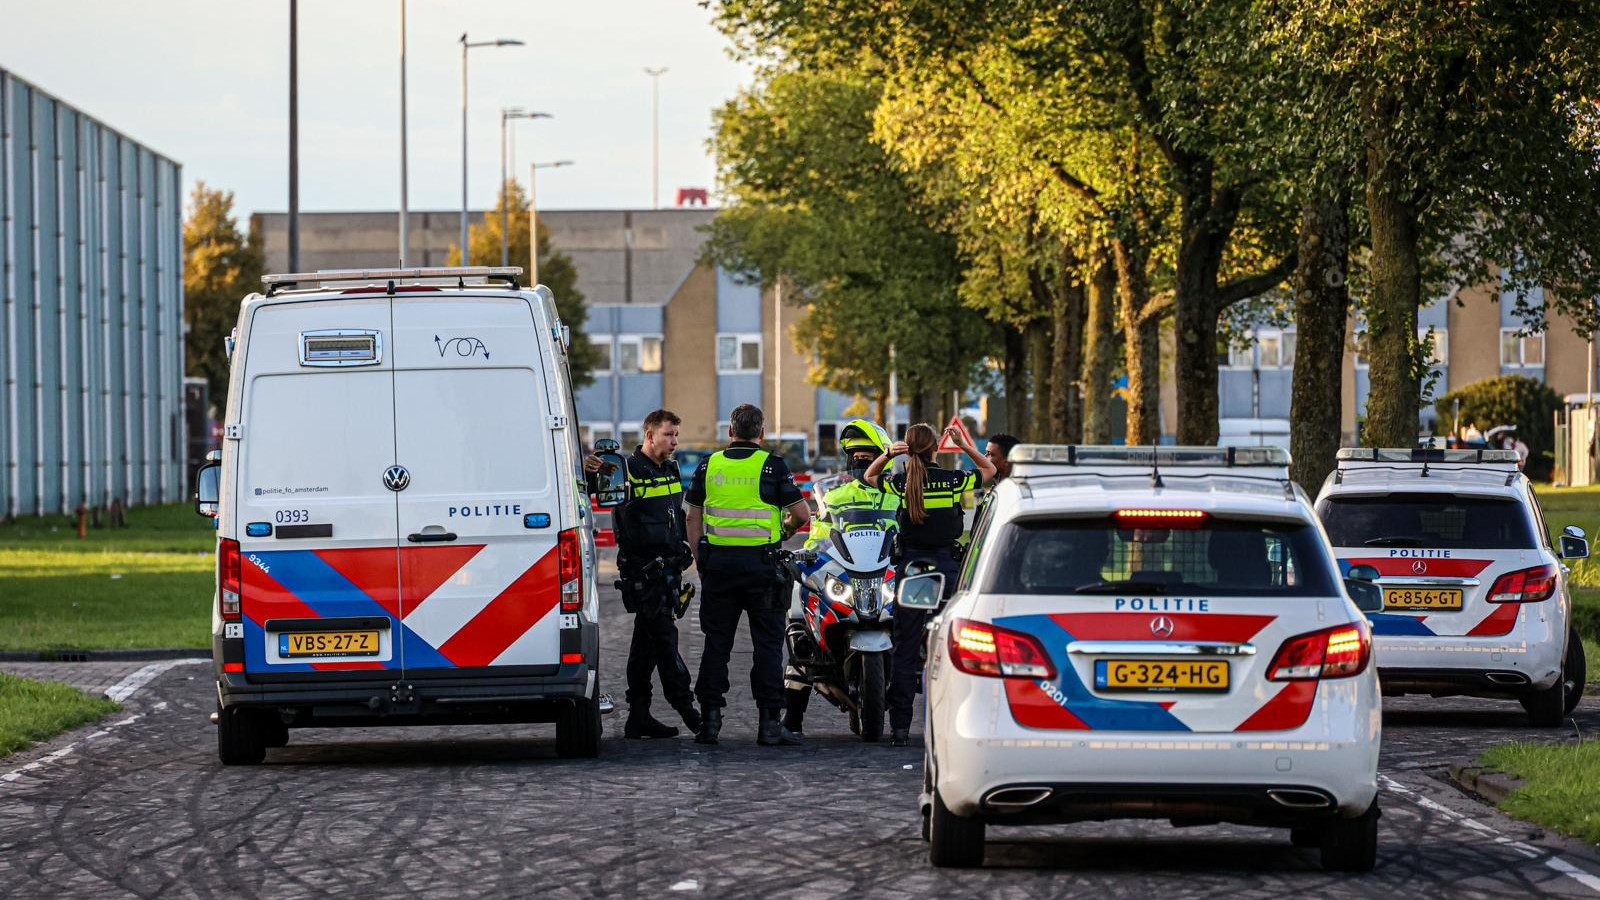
(874, 671)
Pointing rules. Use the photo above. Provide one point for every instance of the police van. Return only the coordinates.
(402, 535)
(1475, 598)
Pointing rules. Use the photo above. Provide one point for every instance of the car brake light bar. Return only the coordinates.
(981, 648)
(1186, 519)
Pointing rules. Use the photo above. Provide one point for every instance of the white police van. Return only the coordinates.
(1475, 596)
(1150, 634)
(402, 535)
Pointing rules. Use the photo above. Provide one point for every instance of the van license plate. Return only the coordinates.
(327, 643)
(1153, 676)
(1422, 598)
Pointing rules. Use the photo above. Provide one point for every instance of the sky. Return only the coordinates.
(206, 83)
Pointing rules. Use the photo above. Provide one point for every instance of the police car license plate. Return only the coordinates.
(328, 643)
(1152, 676)
(1422, 598)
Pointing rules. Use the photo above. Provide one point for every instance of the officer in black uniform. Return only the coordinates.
(741, 505)
(651, 556)
(931, 523)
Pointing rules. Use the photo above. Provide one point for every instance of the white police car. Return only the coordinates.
(1150, 634)
(1475, 597)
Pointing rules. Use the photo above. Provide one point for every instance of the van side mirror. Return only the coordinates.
(920, 591)
(208, 489)
(609, 486)
(1368, 597)
(1573, 543)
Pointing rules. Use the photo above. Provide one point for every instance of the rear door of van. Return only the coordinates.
(316, 518)
(479, 523)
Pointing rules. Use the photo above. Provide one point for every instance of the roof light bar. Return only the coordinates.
(1426, 455)
(1101, 455)
(503, 272)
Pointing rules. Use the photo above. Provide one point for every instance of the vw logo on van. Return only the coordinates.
(1161, 626)
(396, 478)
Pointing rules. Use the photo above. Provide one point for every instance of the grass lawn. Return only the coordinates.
(147, 585)
(1563, 785)
(31, 711)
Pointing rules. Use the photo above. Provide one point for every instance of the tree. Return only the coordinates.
(221, 265)
(1527, 403)
(556, 272)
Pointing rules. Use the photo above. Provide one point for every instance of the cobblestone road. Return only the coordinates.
(139, 807)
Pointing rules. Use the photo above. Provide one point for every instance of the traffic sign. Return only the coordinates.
(948, 446)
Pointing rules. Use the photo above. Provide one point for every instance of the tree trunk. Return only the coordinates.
(1321, 310)
(1040, 341)
(917, 404)
(1016, 380)
(1142, 347)
(1100, 347)
(1392, 402)
(1206, 222)
(1066, 401)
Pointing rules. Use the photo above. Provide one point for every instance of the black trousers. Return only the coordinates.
(655, 649)
(905, 670)
(725, 594)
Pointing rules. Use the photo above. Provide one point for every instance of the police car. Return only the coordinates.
(401, 534)
(1150, 634)
(1475, 597)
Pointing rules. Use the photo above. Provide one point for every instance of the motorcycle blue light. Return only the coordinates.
(536, 520)
(258, 529)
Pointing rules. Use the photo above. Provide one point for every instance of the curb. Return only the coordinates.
(1487, 783)
(134, 655)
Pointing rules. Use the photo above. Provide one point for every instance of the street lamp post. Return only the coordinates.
(506, 115)
(294, 136)
(655, 135)
(405, 202)
(465, 46)
(533, 215)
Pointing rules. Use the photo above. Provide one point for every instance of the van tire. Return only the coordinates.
(1351, 845)
(273, 732)
(954, 842)
(578, 729)
(241, 737)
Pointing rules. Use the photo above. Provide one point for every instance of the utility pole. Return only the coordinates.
(294, 137)
(465, 46)
(405, 203)
(655, 135)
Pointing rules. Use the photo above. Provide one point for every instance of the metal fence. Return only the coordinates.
(91, 333)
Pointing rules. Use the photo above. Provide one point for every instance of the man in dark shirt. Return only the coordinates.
(651, 554)
(741, 505)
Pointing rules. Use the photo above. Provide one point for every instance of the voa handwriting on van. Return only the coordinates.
(462, 346)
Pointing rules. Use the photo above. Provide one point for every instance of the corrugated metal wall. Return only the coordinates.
(91, 335)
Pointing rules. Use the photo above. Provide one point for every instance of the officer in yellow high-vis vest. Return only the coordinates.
(741, 505)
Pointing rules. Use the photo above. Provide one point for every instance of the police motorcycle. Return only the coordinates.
(842, 641)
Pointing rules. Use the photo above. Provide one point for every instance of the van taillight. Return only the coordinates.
(1337, 652)
(1524, 585)
(228, 578)
(569, 562)
(979, 648)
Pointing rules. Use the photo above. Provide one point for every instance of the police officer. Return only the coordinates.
(651, 555)
(862, 441)
(931, 521)
(741, 505)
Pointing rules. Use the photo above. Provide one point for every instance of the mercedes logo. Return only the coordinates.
(396, 478)
(1161, 626)
(1420, 567)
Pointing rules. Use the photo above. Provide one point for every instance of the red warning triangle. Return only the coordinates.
(375, 570)
(948, 446)
(423, 569)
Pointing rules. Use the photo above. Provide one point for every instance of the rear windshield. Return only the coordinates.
(1445, 521)
(1223, 558)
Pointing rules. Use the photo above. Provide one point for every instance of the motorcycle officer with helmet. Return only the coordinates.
(862, 441)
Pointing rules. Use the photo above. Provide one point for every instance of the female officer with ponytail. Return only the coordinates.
(931, 521)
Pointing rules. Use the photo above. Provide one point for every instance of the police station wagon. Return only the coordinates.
(401, 534)
(1475, 598)
(1156, 634)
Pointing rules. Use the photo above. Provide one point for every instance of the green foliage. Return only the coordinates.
(1562, 788)
(221, 266)
(1527, 403)
(556, 271)
(33, 711)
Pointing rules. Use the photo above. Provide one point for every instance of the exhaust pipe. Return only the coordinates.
(1017, 797)
(1294, 798)
(1515, 679)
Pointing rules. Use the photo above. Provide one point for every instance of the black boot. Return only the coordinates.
(773, 734)
(641, 724)
(691, 717)
(710, 724)
(900, 737)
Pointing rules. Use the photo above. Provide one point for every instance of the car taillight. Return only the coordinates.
(1524, 586)
(979, 648)
(229, 574)
(569, 563)
(1337, 652)
(1185, 519)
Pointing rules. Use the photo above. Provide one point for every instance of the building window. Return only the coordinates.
(631, 438)
(1440, 354)
(639, 354)
(602, 350)
(738, 353)
(1241, 356)
(1359, 340)
(1268, 349)
(1519, 350)
(828, 438)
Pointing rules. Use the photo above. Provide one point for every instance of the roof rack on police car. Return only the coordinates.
(1402, 458)
(510, 275)
(1152, 460)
